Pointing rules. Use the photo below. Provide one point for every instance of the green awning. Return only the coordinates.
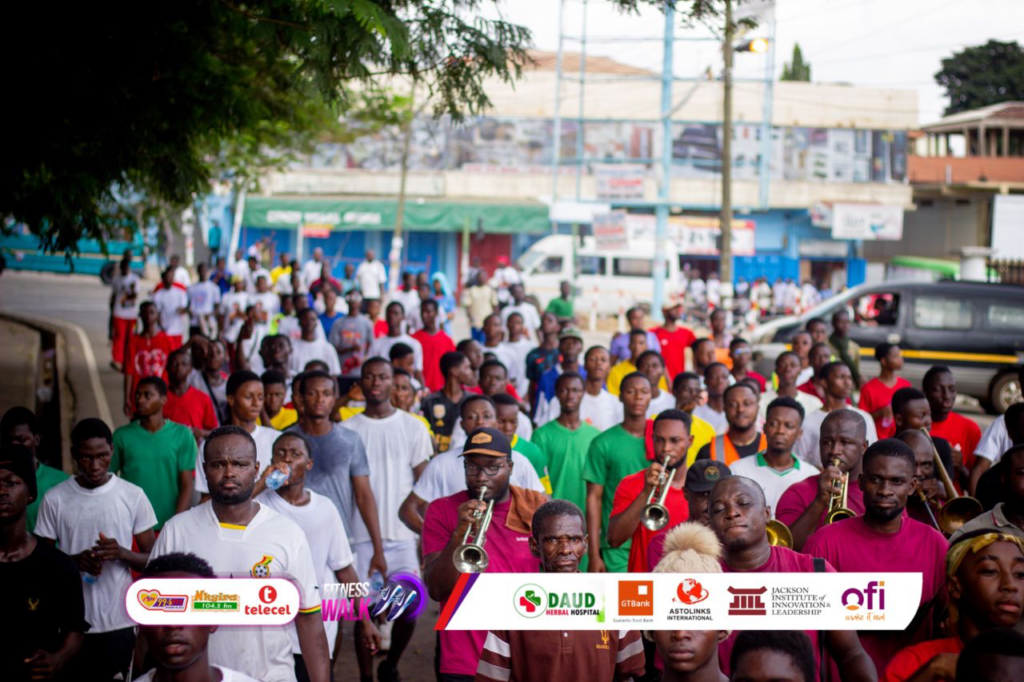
(945, 268)
(375, 214)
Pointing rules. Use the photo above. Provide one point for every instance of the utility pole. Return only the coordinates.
(661, 212)
(725, 253)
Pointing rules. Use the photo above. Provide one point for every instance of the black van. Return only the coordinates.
(973, 327)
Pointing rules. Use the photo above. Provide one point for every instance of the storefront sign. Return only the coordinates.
(610, 231)
(867, 221)
(619, 181)
(822, 248)
(702, 236)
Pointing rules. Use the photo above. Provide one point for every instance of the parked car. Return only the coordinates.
(973, 327)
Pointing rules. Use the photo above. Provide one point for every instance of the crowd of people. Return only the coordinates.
(391, 438)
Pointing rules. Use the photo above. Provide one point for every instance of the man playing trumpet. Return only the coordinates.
(634, 514)
(487, 461)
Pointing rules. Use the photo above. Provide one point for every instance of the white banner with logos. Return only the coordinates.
(867, 221)
(212, 601)
(662, 601)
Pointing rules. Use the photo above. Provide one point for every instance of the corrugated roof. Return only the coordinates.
(1001, 112)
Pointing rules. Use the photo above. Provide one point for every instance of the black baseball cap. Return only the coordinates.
(487, 441)
(704, 473)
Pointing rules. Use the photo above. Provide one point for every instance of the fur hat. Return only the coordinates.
(690, 548)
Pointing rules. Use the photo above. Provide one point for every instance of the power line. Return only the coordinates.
(894, 24)
(896, 53)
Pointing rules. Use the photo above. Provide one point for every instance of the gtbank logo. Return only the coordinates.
(854, 599)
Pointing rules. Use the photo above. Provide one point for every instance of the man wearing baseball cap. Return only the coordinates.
(673, 337)
(570, 346)
(701, 477)
(487, 460)
(43, 594)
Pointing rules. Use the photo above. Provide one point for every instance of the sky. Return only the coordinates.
(877, 43)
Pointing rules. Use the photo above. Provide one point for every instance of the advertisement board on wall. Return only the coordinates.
(867, 221)
(619, 181)
(610, 231)
(696, 235)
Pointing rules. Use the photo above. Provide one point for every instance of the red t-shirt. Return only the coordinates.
(853, 547)
(194, 409)
(906, 663)
(434, 346)
(509, 388)
(509, 552)
(758, 378)
(959, 430)
(782, 560)
(628, 490)
(147, 357)
(380, 328)
(673, 348)
(799, 496)
(874, 395)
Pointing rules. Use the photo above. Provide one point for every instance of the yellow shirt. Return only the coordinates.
(276, 273)
(703, 433)
(285, 418)
(620, 372)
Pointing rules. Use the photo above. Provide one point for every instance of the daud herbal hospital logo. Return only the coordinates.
(530, 601)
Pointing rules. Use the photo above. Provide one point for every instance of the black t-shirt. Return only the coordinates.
(41, 601)
(441, 412)
(743, 451)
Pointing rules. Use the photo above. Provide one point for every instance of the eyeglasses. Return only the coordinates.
(491, 470)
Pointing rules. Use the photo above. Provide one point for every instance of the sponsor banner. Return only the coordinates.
(212, 601)
(618, 182)
(661, 601)
(610, 231)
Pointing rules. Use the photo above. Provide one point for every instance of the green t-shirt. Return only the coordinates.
(537, 458)
(153, 461)
(613, 455)
(46, 478)
(566, 452)
(560, 308)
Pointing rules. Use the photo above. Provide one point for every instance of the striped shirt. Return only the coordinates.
(591, 655)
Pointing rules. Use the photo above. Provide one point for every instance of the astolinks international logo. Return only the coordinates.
(401, 597)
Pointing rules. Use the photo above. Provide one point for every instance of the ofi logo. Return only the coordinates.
(854, 599)
(401, 595)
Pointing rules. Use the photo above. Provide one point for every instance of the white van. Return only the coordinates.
(609, 282)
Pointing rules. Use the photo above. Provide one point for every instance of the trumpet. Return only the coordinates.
(958, 509)
(471, 557)
(779, 534)
(655, 514)
(837, 509)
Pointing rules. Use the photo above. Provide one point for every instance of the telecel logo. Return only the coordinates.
(530, 601)
(872, 598)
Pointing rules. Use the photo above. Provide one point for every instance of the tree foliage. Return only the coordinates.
(796, 69)
(116, 105)
(983, 75)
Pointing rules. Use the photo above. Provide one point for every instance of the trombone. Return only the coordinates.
(471, 557)
(837, 509)
(655, 514)
(958, 509)
(779, 534)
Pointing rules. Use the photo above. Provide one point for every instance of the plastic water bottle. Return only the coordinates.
(376, 582)
(277, 478)
(89, 578)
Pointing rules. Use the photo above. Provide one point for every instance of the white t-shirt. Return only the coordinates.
(602, 411)
(328, 544)
(446, 476)
(517, 352)
(264, 437)
(394, 445)
(203, 298)
(240, 268)
(182, 277)
(524, 429)
(807, 447)
(995, 441)
(381, 346)
(805, 375)
(311, 272)
(169, 302)
(226, 675)
(303, 351)
(531, 318)
(231, 302)
(268, 301)
(716, 419)
(289, 326)
(126, 308)
(809, 402)
(772, 481)
(664, 401)
(261, 652)
(371, 276)
(75, 516)
(506, 356)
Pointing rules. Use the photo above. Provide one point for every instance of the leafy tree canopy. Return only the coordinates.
(797, 69)
(111, 105)
(983, 75)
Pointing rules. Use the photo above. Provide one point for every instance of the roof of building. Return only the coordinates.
(996, 115)
(548, 61)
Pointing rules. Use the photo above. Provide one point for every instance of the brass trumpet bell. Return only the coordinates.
(779, 534)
